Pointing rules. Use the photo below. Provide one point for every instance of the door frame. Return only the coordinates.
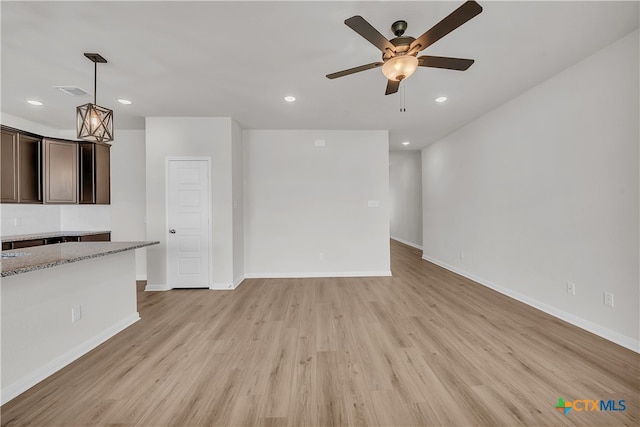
(168, 160)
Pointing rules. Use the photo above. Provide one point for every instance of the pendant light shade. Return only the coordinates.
(93, 122)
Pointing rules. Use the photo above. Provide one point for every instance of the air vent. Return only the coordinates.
(71, 90)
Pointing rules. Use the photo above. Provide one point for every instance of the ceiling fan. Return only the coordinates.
(399, 55)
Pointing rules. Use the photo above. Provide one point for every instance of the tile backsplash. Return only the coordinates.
(28, 219)
(85, 217)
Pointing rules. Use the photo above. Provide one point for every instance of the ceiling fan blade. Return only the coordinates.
(353, 70)
(455, 19)
(392, 87)
(361, 26)
(445, 62)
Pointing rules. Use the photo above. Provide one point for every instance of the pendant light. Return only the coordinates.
(94, 123)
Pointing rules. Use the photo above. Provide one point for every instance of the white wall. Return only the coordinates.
(238, 203)
(85, 217)
(190, 137)
(405, 196)
(128, 192)
(306, 208)
(28, 219)
(545, 190)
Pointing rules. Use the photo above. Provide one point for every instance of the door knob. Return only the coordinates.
(172, 231)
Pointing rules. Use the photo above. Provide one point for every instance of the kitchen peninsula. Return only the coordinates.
(59, 301)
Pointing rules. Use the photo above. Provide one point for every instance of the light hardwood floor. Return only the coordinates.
(426, 347)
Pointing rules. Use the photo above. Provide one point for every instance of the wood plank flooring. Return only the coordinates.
(423, 348)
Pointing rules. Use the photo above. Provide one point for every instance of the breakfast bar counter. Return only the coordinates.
(23, 260)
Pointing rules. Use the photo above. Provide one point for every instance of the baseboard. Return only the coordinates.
(587, 325)
(317, 274)
(222, 286)
(153, 288)
(215, 286)
(405, 242)
(227, 286)
(237, 281)
(28, 381)
(141, 277)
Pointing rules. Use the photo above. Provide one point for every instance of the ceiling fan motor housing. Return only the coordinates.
(401, 44)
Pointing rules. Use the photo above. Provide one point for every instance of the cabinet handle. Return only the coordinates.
(172, 231)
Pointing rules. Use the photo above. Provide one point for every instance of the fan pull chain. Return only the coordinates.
(403, 108)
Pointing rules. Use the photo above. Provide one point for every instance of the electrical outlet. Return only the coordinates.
(608, 299)
(571, 288)
(76, 314)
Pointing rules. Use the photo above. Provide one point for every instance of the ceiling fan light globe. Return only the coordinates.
(400, 67)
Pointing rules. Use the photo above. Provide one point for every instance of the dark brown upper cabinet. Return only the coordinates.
(60, 161)
(95, 164)
(37, 169)
(21, 167)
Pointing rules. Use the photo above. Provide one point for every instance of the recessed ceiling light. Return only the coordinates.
(406, 143)
(124, 101)
(441, 99)
(289, 98)
(34, 102)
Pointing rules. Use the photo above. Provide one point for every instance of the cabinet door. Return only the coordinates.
(28, 243)
(102, 156)
(9, 160)
(60, 171)
(102, 237)
(87, 173)
(30, 181)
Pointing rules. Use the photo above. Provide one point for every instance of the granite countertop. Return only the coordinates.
(40, 257)
(21, 237)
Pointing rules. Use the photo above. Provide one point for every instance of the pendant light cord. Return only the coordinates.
(95, 82)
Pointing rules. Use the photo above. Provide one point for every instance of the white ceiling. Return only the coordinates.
(239, 59)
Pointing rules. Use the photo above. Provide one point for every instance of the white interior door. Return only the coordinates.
(188, 233)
